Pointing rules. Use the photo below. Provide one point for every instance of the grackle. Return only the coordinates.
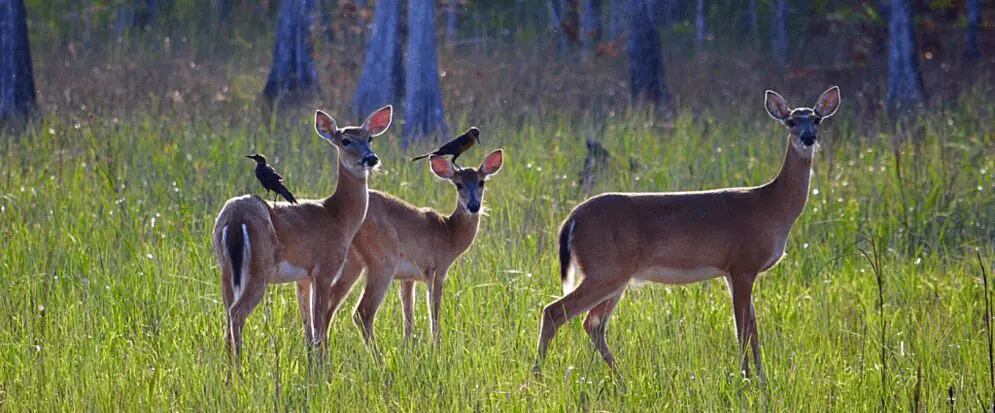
(455, 147)
(270, 179)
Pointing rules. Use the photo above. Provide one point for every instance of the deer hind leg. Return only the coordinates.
(408, 305)
(590, 292)
(377, 283)
(228, 298)
(239, 311)
(596, 324)
(741, 289)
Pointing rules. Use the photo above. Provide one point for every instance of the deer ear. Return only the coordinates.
(492, 163)
(325, 125)
(777, 108)
(378, 121)
(828, 102)
(441, 167)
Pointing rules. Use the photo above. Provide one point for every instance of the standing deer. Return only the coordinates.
(259, 243)
(614, 239)
(399, 240)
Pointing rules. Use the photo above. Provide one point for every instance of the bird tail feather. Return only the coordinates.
(288, 196)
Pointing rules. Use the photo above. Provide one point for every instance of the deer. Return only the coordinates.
(612, 240)
(258, 243)
(400, 241)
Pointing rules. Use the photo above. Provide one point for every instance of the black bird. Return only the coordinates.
(455, 147)
(271, 180)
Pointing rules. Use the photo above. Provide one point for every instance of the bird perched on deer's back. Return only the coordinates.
(270, 179)
(455, 147)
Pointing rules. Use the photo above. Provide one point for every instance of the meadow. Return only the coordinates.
(112, 299)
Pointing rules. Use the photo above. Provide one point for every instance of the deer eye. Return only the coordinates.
(790, 123)
(459, 186)
(817, 121)
(346, 141)
(481, 184)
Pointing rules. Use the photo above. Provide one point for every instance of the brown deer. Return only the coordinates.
(259, 243)
(401, 241)
(615, 239)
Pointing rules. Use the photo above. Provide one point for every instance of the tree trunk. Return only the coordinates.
(224, 10)
(423, 116)
(293, 77)
(383, 71)
(779, 34)
(17, 84)
(905, 87)
(666, 12)
(590, 24)
(556, 22)
(645, 59)
(451, 22)
(619, 18)
(699, 23)
(971, 51)
(750, 20)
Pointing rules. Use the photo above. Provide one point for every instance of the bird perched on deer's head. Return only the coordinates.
(455, 147)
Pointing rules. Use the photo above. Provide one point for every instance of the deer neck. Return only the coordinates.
(788, 191)
(351, 196)
(462, 226)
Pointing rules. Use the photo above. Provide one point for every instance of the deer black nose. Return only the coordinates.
(371, 159)
(808, 140)
(473, 206)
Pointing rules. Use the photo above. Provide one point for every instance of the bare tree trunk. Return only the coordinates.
(451, 22)
(699, 23)
(750, 20)
(383, 71)
(556, 16)
(423, 113)
(17, 83)
(971, 51)
(645, 57)
(590, 24)
(779, 34)
(619, 18)
(905, 87)
(293, 77)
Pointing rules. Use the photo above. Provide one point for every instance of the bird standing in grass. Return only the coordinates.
(271, 180)
(455, 147)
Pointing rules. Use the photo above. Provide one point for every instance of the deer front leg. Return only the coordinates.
(408, 305)
(437, 281)
(321, 283)
(304, 305)
(340, 289)
(741, 289)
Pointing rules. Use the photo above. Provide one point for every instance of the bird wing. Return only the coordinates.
(275, 173)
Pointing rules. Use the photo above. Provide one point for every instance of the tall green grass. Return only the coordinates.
(111, 292)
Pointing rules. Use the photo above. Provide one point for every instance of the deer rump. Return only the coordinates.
(245, 243)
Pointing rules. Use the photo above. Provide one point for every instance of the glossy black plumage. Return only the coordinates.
(455, 147)
(270, 179)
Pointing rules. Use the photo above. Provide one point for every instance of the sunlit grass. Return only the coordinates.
(112, 299)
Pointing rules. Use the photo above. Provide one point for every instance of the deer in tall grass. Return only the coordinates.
(400, 241)
(258, 243)
(614, 239)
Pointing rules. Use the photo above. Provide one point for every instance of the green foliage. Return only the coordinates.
(112, 299)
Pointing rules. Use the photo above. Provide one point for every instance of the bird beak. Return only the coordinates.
(250, 157)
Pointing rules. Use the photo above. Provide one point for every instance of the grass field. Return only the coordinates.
(111, 299)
